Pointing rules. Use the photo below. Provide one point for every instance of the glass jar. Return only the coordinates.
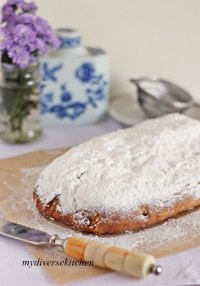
(19, 103)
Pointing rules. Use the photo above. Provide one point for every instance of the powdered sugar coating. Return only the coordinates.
(156, 162)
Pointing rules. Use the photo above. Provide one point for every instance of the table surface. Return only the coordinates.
(179, 269)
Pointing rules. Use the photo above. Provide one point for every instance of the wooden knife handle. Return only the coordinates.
(106, 256)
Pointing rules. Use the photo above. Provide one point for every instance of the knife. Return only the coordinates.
(103, 255)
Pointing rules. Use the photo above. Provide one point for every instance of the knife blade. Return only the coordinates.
(103, 255)
(23, 233)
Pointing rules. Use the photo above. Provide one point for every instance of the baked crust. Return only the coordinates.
(113, 223)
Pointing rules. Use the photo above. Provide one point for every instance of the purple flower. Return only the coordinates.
(41, 46)
(7, 11)
(25, 35)
(21, 31)
(19, 56)
(26, 18)
(42, 27)
(2, 41)
(15, 2)
(29, 7)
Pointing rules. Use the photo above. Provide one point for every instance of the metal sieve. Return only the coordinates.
(157, 96)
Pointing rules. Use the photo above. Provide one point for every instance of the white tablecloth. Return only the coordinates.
(179, 269)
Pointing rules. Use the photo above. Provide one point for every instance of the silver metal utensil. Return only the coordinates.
(103, 255)
(157, 96)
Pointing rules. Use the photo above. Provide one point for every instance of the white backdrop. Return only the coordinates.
(142, 37)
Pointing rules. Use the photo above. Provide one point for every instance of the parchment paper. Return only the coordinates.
(17, 178)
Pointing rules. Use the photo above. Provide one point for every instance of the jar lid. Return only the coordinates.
(69, 38)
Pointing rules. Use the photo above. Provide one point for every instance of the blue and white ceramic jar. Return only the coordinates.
(75, 83)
